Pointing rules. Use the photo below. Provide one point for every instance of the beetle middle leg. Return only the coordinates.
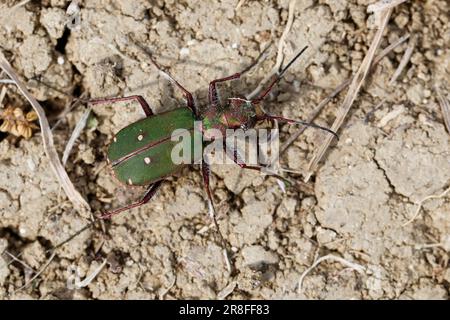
(148, 112)
(151, 191)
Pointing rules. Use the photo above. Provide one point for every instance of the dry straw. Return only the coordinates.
(352, 93)
(74, 196)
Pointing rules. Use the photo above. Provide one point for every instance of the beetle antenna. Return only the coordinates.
(278, 77)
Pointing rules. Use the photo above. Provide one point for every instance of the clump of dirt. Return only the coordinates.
(389, 157)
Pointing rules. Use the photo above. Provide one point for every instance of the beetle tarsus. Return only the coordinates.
(278, 77)
(212, 93)
(151, 191)
(147, 110)
(304, 123)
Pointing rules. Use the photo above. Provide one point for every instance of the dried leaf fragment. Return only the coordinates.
(17, 123)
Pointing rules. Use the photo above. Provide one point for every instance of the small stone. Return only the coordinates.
(54, 21)
(88, 156)
(325, 236)
(401, 20)
(256, 255)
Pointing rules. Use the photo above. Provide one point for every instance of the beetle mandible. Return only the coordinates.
(140, 153)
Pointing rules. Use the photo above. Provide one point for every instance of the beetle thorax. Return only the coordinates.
(236, 114)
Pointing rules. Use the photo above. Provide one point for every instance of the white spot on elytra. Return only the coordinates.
(140, 137)
(130, 182)
(147, 160)
(115, 139)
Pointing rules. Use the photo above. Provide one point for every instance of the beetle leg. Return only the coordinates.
(213, 95)
(291, 121)
(189, 98)
(151, 191)
(278, 77)
(148, 112)
(234, 155)
(206, 171)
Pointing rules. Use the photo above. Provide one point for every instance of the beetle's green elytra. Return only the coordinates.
(141, 152)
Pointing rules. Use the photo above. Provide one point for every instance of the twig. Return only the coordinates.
(353, 90)
(280, 56)
(2, 95)
(225, 292)
(445, 107)
(427, 246)
(6, 81)
(398, 110)
(47, 138)
(357, 267)
(227, 260)
(90, 277)
(75, 134)
(240, 3)
(14, 258)
(53, 251)
(38, 273)
(404, 61)
(421, 202)
(20, 4)
(166, 291)
(383, 5)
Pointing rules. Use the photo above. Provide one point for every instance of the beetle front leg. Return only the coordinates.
(148, 112)
(151, 191)
(213, 95)
(189, 98)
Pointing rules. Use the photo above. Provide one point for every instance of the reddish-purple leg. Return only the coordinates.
(291, 121)
(206, 172)
(213, 95)
(189, 98)
(151, 191)
(277, 78)
(148, 112)
(234, 155)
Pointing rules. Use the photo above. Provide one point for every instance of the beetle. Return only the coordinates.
(140, 154)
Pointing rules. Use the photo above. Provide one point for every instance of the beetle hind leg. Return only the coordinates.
(212, 210)
(151, 191)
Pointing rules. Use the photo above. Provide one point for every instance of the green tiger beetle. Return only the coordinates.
(140, 154)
